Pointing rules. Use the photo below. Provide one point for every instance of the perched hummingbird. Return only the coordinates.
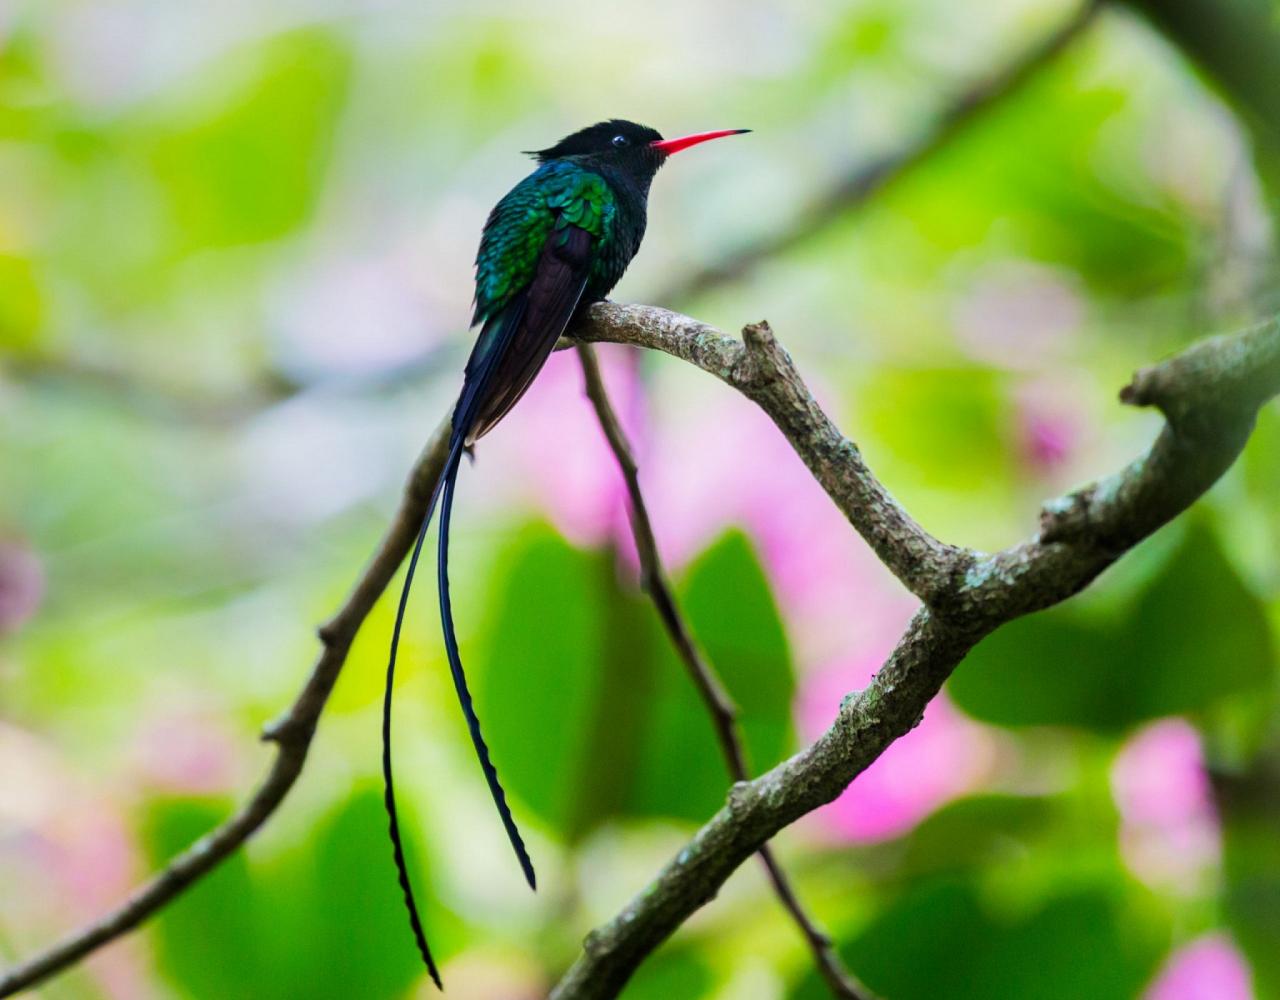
(560, 240)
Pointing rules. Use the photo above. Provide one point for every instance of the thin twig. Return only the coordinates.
(860, 182)
(719, 705)
(291, 733)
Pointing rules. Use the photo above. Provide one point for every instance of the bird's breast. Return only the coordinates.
(620, 244)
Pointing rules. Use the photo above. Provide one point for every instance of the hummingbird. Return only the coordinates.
(559, 240)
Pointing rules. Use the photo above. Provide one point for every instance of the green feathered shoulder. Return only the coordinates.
(556, 195)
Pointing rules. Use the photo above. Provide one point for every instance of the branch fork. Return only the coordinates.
(1210, 395)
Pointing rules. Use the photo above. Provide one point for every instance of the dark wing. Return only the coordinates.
(515, 344)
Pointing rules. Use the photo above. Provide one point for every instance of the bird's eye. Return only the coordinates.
(620, 140)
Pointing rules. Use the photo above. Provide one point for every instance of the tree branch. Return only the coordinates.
(1237, 42)
(859, 183)
(292, 733)
(719, 705)
(1209, 394)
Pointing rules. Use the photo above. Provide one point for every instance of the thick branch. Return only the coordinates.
(762, 370)
(292, 734)
(719, 705)
(1210, 396)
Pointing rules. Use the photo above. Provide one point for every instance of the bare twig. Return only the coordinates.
(860, 182)
(719, 705)
(151, 397)
(292, 734)
(1209, 394)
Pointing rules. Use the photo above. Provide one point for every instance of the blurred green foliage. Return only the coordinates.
(235, 244)
(310, 923)
(1195, 637)
(617, 728)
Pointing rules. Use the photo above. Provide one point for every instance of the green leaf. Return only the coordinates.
(1195, 636)
(953, 411)
(673, 972)
(323, 920)
(242, 156)
(1056, 205)
(361, 944)
(588, 711)
(977, 831)
(1250, 814)
(213, 919)
(943, 940)
(539, 675)
(727, 600)
(21, 306)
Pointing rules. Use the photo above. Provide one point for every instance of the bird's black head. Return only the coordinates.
(615, 140)
(623, 146)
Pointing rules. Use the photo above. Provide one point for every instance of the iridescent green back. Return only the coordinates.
(556, 195)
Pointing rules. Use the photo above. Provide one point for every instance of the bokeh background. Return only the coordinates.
(235, 249)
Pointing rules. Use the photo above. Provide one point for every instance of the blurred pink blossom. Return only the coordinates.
(65, 849)
(708, 462)
(1049, 427)
(1169, 833)
(186, 752)
(1046, 442)
(22, 585)
(553, 448)
(944, 757)
(720, 462)
(1056, 420)
(68, 829)
(1209, 968)
(1019, 315)
(95, 850)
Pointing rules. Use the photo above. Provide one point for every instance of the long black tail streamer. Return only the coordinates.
(388, 782)
(464, 695)
(443, 494)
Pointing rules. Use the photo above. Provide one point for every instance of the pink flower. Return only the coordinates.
(1047, 440)
(720, 462)
(552, 446)
(66, 850)
(1209, 968)
(1019, 315)
(1052, 423)
(1159, 777)
(186, 752)
(708, 462)
(1169, 833)
(68, 828)
(944, 757)
(22, 585)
